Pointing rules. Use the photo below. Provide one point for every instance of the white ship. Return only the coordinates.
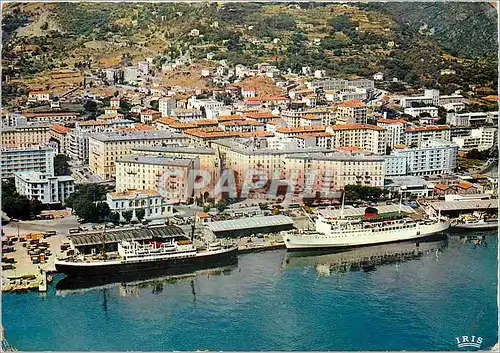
(347, 232)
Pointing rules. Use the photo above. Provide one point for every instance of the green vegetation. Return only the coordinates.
(61, 166)
(412, 42)
(127, 215)
(88, 203)
(358, 192)
(18, 206)
(140, 213)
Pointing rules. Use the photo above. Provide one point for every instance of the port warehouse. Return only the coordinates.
(454, 209)
(248, 226)
(92, 242)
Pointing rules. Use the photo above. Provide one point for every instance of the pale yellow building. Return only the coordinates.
(25, 136)
(208, 158)
(370, 138)
(333, 171)
(106, 148)
(168, 176)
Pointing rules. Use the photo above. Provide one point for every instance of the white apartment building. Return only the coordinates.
(416, 136)
(143, 68)
(166, 105)
(78, 145)
(14, 119)
(187, 115)
(366, 137)
(169, 176)
(351, 112)
(335, 84)
(34, 159)
(44, 187)
(472, 119)
(417, 111)
(431, 97)
(110, 75)
(39, 96)
(394, 131)
(456, 107)
(106, 148)
(481, 139)
(130, 74)
(153, 204)
(434, 157)
(314, 139)
(211, 106)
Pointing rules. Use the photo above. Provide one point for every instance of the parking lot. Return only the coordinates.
(83, 175)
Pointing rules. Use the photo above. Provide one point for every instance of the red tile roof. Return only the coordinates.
(353, 103)
(357, 127)
(391, 121)
(300, 129)
(60, 129)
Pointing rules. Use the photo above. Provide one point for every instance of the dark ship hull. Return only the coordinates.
(167, 266)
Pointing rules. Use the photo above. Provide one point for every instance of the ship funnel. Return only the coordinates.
(371, 212)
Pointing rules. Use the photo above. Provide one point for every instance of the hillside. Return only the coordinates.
(411, 42)
(463, 29)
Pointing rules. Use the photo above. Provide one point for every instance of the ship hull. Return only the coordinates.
(476, 226)
(170, 266)
(295, 242)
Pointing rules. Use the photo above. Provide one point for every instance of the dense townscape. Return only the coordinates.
(206, 141)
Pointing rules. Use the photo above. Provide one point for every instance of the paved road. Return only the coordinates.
(61, 225)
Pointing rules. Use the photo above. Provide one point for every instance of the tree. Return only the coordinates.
(359, 192)
(90, 106)
(221, 205)
(88, 203)
(61, 166)
(114, 217)
(127, 215)
(154, 104)
(140, 213)
(16, 205)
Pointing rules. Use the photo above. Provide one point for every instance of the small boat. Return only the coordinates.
(476, 221)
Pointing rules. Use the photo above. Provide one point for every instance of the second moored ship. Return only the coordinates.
(368, 230)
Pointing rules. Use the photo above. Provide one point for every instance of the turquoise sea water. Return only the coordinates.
(274, 301)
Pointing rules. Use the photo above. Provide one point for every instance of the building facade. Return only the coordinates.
(169, 176)
(34, 159)
(366, 137)
(106, 148)
(153, 204)
(44, 187)
(417, 136)
(434, 157)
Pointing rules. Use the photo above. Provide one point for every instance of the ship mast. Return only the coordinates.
(103, 252)
(342, 209)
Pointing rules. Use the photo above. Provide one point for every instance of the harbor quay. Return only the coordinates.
(34, 246)
(21, 273)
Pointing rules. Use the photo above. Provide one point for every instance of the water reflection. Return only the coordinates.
(132, 284)
(365, 258)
